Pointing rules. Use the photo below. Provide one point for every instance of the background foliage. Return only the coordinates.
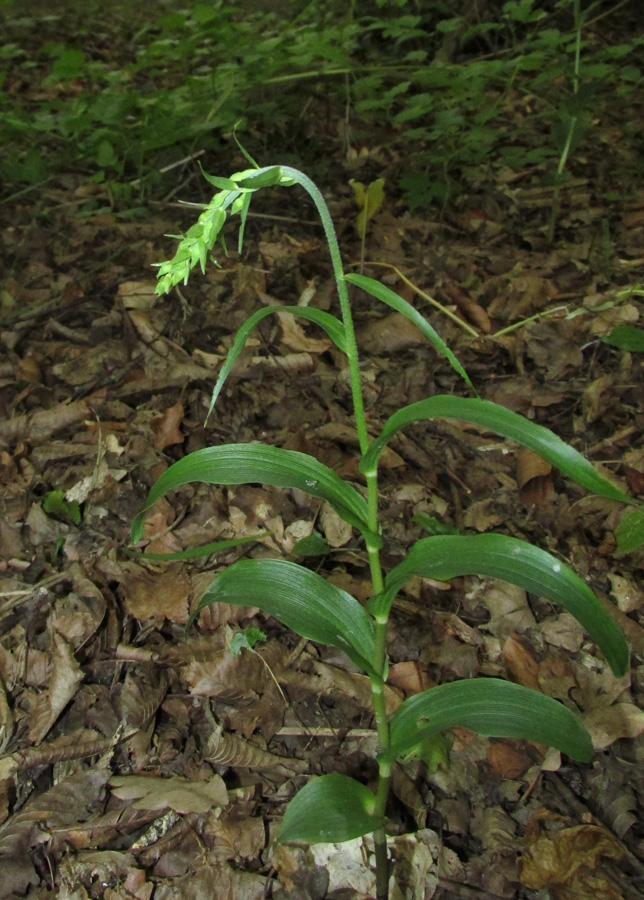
(438, 79)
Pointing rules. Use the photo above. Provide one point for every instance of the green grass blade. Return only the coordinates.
(329, 809)
(260, 463)
(498, 556)
(502, 421)
(201, 550)
(300, 599)
(391, 298)
(332, 326)
(491, 707)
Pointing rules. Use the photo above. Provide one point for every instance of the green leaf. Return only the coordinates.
(252, 180)
(313, 545)
(392, 299)
(260, 463)
(333, 327)
(432, 525)
(630, 531)
(245, 640)
(202, 550)
(300, 599)
(369, 201)
(498, 556)
(626, 337)
(502, 421)
(329, 809)
(222, 184)
(491, 707)
(55, 504)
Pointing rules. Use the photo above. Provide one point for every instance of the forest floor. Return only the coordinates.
(141, 761)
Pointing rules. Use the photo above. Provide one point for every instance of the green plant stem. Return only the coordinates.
(379, 835)
(352, 348)
(377, 685)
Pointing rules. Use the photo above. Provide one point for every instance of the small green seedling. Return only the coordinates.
(56, 505)
(246, 640)
(336, 807)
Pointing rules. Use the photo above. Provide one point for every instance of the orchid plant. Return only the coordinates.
(335, 807)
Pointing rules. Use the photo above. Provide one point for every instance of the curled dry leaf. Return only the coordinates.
(533, 478)
(336, 530)
(137, 294)
(607, 725)
(166, 427)
(521, 663)
(65, 677)
(564, 859)
(294, 337)
(157, 595)
(228, 749)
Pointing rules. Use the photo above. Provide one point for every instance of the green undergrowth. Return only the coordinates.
(140, 86)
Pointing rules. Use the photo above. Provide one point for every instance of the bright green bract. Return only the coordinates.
(498, 556)
(490, 707)
(301, 600)
(329, 809)
(502, 421)
(250, 463)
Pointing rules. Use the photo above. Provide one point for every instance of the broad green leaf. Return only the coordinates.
(502, 421)
(498, 556)
(260, 463)
(491, 707)
(333, 327)
(202, 550)
(302, 600)
(392, 299)
(329, 809)
(626, 337)
(630, 531)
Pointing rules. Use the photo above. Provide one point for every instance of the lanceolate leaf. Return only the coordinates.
(249, 463)
(391, 298)
(490, 707)
(329, 809)
(498, 556)
(502, 421)
(202, 550)
(333, 327)
(302, 600)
